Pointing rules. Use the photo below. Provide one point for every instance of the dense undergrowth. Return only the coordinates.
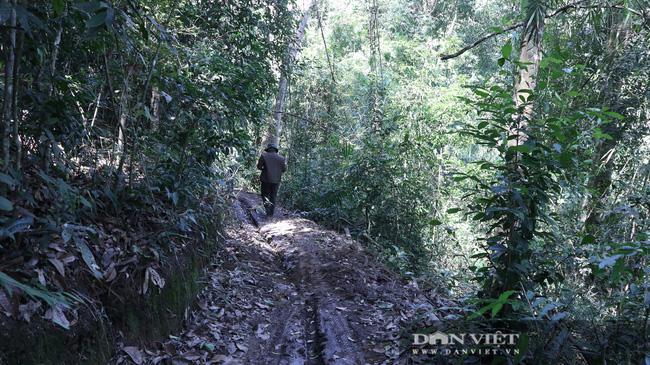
(512, 172)
(124, 125)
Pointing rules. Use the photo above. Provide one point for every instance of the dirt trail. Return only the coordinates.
(286, 291)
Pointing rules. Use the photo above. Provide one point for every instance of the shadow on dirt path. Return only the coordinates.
(285, 290)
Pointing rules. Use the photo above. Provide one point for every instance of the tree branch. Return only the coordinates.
(573, 5)
(479, 41)
(329, 62)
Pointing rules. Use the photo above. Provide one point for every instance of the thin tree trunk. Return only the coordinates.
(121, 136)
(154, 104)
(14, 102)
(97, 106)
(55, 55)
(322, 34)
(275, 129)
(109, 82)
(124, 101)
(452, 26)
(7, 114)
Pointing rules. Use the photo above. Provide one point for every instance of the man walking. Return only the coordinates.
(272, 165)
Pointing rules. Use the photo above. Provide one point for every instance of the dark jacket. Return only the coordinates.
(272, 165)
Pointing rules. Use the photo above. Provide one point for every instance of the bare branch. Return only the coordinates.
(479, 41)
(573, 5)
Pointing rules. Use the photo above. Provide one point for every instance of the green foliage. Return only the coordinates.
(420, 158)
(129, 125)
(51, 298)
(513, 201)
(133, 120)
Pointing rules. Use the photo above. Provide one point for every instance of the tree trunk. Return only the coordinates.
(14, 102)
(154, 105)
(7, 115)
(121, 135)
(327, 54)
(517, 232)
(275, 130)
(530, 56)
(55, 55)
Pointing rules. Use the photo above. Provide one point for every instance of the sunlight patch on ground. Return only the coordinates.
(285, 227)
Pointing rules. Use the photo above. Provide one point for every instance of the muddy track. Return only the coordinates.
(319, 333)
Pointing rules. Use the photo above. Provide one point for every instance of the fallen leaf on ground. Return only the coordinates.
(135, 354)
(56, 315)
(58, 265)
(242, 347)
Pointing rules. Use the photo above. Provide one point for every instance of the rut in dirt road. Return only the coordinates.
(323, 327)
(284, 290)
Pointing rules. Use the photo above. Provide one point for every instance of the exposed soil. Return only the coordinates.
(285, 290)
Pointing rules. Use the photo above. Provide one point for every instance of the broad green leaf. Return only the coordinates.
(565, 158)
(88, 257)
(7, 180)
(460, 178)
(58, 6)
(453, 210)
(587, 239)
(608, 261)
(599, 134)
(48, 297)
(524, 148)
(89, 6)
(505, 295)
(21, 224)
(481, 311)
(496, 308)
(522, 346)
(97, 20)
(480, 92)
(506, 50)
(147, 114)
(5, 204)
(615, 115)
(85, 202)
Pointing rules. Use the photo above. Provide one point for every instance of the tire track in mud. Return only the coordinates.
(326, 333)
(287, 344)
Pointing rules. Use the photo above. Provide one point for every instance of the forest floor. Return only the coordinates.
(284, 290)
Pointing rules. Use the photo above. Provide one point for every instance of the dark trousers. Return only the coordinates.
(269, 194)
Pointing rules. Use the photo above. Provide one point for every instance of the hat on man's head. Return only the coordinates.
(272, 145)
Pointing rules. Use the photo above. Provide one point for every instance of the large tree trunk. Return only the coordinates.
(530, 56)
(275, 130)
